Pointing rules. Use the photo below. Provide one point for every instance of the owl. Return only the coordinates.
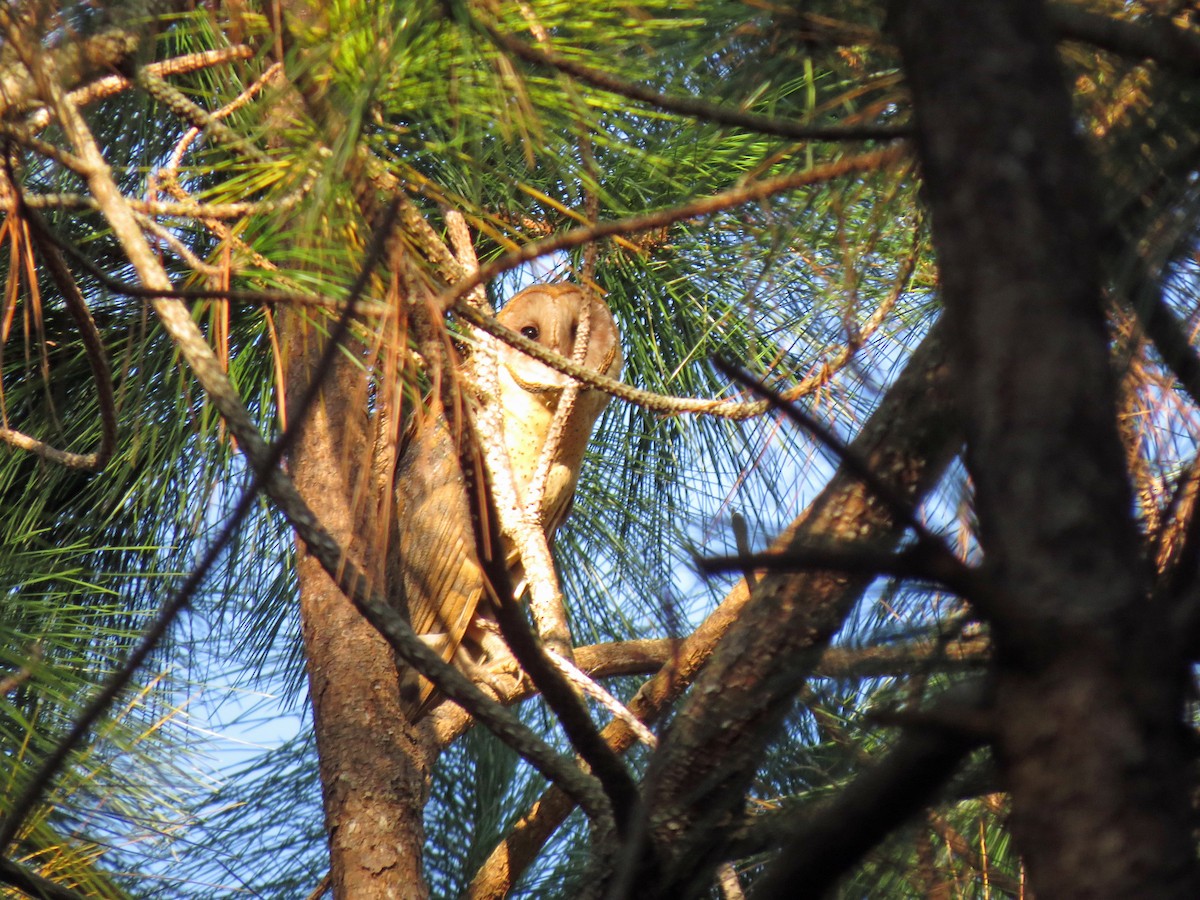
(436, 577)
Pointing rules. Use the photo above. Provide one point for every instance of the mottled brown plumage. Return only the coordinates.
(440, 583)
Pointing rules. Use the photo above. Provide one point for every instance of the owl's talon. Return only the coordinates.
(502, 676)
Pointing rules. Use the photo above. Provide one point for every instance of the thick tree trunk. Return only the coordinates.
(1089, 690)
(373, 771)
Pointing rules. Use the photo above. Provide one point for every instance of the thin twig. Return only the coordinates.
(110, 85)
(914, 562)
(562, 413)
(182, 250)
(695, 209)
(731, 409)
(603, 697)
(93, 347)
(169, 174)
(23, 674)
(932, 550)
(188, 209)
(690, 106)
(741, 538)
(178, 322)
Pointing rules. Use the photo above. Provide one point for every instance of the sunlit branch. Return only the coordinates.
(225, 111)
(178, 102)
(191, 209)
(593, 689)
(35, 885)
(178, 322)
(110, 85)
(694, 209)
(519, 517)
(74, 62)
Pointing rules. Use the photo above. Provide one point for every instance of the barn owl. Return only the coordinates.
(440, 583)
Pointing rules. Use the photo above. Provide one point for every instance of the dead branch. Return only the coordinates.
(916, 431)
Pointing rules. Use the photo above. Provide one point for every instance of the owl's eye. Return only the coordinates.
(531, 332)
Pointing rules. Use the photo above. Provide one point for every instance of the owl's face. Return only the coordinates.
(550, 315)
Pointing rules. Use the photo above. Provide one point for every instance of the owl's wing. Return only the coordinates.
(559, 497)
(439, 576)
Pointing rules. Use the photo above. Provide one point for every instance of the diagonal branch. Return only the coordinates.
(92, 345)
(899, 507)
(75, 62)
(34, 885)
(690, 106)
(822, 845)
(660, 218)
(279, 487)
(567, 704)
(709, 756)
(913, 434)
(1150, 37)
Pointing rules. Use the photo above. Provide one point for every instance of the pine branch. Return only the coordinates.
(915, 429)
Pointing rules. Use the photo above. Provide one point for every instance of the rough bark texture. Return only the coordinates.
(1089, 695)
(914, 433)
(698, 780)
(373, 772)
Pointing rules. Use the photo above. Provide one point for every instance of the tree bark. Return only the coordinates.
(697, 782)
(373, 769)
(1090, 684)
